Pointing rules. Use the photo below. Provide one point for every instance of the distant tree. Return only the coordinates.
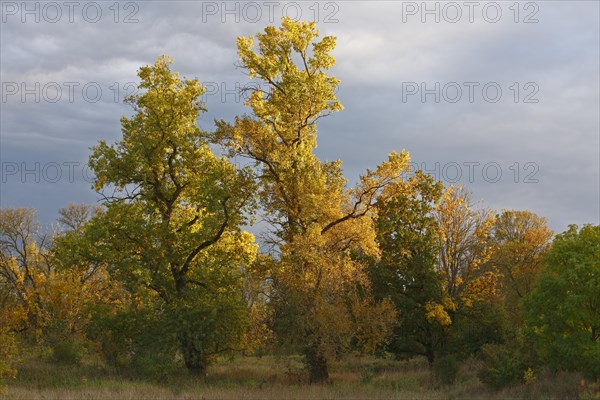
(74, 216)
(171, 230)
(25, 266)
(562, 312)
(434, 267)
(521, 239)
(464, 248)
(471, 309)
(44, 295)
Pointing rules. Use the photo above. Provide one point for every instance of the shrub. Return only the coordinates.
(502, 367)
(68, 350)
(153, 365)
(367, 374)
(529, 376)
(445, 369)
(8, 353)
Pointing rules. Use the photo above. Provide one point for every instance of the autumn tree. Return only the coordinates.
(8, 351)
(406, 272)
(13, 314)
(25, 266)
(80, 263)
(521, 240)
(470, 310)
(464, 248)
(171, 229)
(562, 312)
(44, 294)
(318, 223)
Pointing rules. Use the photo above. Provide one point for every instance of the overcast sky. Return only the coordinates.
(500, 97)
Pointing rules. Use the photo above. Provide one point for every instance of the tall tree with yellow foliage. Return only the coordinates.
(318, 223)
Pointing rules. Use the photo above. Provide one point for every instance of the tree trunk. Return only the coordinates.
(194, 358)
(430, 355)
(317, 364)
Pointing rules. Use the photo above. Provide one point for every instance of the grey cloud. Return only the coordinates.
(376, 53)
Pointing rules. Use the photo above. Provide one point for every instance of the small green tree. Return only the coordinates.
(406, 272)
(562, 313)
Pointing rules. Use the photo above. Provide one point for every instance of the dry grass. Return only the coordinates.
(274, 378)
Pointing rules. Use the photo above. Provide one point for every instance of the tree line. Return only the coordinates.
(163, 274)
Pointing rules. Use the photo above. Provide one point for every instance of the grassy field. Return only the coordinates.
(274, 378)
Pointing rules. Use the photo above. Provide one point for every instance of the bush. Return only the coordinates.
(502, 367)
(8, 354)
(367, 374)
(445, 369)
(112, 335)
(65, 345)
(137, 342)
(153, 365)
(476, 326)
(68, 350)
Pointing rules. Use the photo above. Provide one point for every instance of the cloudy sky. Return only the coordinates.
(502, 97)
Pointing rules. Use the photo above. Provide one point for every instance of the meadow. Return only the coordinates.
(271, 377)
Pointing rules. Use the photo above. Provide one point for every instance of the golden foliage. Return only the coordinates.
(465, 249)
(320, 225)
(39, 288)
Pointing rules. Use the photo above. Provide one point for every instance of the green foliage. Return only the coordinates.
(476, 326)
(139, 340)
(110, 335)
(153, 345)
(170, 232)
(433, 248)
(561, 313)
(158, 366)
(68, 350)
(406, 274)
(209, 330)
(150, 340)
(502, 366)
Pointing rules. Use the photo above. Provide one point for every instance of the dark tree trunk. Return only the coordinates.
(194, 358)
(430, 355)
(195, 369)
(317, 364)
